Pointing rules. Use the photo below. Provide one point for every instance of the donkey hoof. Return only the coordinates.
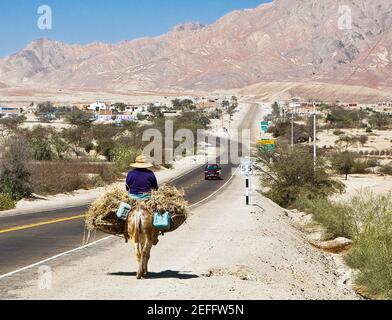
(138, 277)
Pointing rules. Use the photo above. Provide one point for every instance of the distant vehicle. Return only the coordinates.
(213, 171)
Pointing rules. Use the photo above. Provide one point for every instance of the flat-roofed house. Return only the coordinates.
(9, 112)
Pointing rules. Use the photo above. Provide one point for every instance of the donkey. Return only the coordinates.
(141, 231)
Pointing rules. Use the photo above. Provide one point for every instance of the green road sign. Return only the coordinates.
(264, 126)
(268, 148)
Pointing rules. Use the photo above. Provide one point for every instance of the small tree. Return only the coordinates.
(343, 162)
(14, 174)
(59, 145)
(289, 174)
(45, 112)
(79, 118)
(123, 157)
(10, 126)
(363, 140)
(40, 149)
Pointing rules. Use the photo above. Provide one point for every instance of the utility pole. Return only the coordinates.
(292, 128)
(315, 136)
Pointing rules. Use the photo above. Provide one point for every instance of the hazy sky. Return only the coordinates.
(86, 21)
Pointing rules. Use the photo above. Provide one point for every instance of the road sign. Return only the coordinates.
(265, 142)
(267, 145)
(268, 148)
(246, 167)
(264, 126)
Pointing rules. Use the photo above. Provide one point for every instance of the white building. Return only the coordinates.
(98, 106)
(9, 112)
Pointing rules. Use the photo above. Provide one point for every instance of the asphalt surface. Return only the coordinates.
(20, 248)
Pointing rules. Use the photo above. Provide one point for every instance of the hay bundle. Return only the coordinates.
(102, 213)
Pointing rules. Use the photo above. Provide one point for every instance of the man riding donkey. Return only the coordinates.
(143, 211)
(140, 182)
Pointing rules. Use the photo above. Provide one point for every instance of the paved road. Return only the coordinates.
(19, 248)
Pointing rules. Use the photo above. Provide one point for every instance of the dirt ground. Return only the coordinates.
(358, 182)
(378, 140)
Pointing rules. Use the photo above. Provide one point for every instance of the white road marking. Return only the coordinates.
(54, 257)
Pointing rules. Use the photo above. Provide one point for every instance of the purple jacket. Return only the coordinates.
(141, 181)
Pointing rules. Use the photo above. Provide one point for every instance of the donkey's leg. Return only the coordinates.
(146, 257)
(139, 261)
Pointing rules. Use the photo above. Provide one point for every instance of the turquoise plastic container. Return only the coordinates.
(123, 211)
(162, 221)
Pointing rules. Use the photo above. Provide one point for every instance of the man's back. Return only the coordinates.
(141, 181)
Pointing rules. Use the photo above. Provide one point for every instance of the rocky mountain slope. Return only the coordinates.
(286, 40)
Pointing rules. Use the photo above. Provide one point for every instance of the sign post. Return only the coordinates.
(247, 171)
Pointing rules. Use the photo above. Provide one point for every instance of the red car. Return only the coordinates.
(213, 171)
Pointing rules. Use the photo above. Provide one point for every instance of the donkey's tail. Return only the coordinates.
(136, 225)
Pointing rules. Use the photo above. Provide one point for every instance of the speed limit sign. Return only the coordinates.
(246, 167)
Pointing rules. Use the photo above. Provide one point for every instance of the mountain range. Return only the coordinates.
(282, 41)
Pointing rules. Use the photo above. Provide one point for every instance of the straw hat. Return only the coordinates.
(141, 163)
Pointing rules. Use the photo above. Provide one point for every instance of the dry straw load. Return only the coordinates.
(101, 215)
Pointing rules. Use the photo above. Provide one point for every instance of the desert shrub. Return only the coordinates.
(168, 165)
(363, 139)
(40, 149)
(367, 220)
(386, 170)
(6, 202)
(372, 249)
(124, 157)
(338, 132)
(333, 216)
(360, 167)
(372, 163)
(67, 176)
(108, 174)
(290, 175)
(364, 166)
(14, 173)
(369, 130)
(343, 162)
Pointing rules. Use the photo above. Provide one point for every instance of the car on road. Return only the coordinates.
(213, 171)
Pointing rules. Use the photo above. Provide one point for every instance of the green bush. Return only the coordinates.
(6, 202)
(288, 175)
(338, 132)
(372, 249)
(387, 170)
(14, 174)
(40, 149)
(367, 220)
(124, 157)
(334, 217)
(363, 167)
